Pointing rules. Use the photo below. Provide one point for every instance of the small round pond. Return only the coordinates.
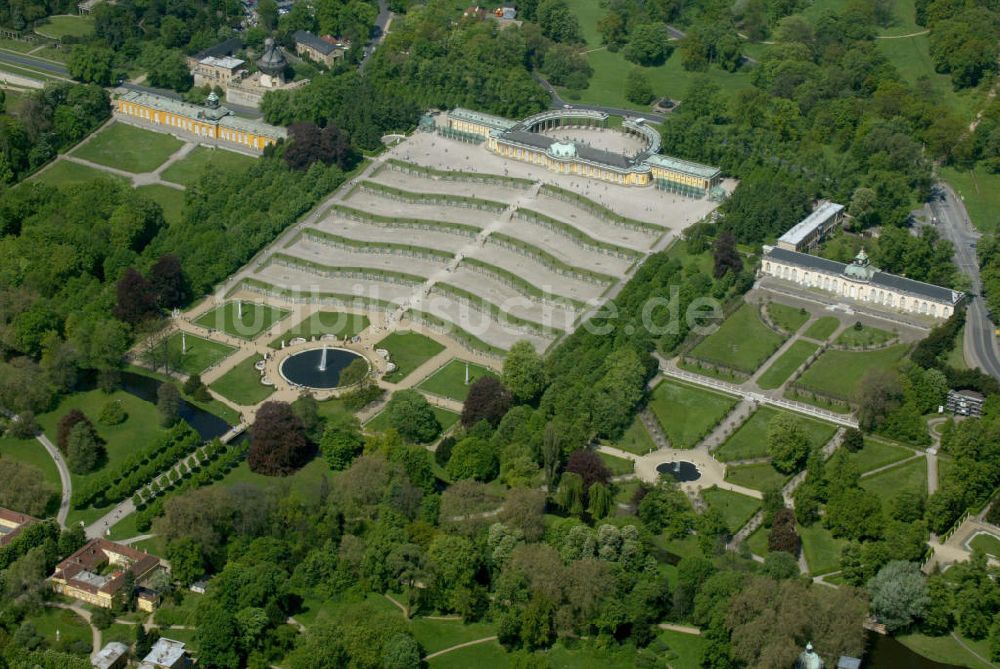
(682, 471)
(318, 368)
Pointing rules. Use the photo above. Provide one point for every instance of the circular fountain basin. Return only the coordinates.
(303, 369)
(681, 471)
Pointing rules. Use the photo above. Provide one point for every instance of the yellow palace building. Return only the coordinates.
(211, 124)
(526, 141)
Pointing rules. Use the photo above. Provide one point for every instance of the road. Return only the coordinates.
(954, 225)
(42, 64)
(64, 479)
(381, 26)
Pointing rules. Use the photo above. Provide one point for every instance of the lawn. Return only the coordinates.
(742, 342)
(137, 432)
(66, 173)
(787, 318)
(981, 194)
(986, 543)
(72, 628)
(66, 25)
(171, 200)
(380, 421)
(821, 549)
(877, 453)
(128, 148)
(822, 328)
(242, 385)
(199, 354)
(865, 336)
(490, 654)
(607, 85)
(687, 413)
(839, 373)
(124, 529)
(334, 408)
(449, 381)
(683, 651)
(911, 56)
(169, 613)
(618, 466)
(702, 261)
(254, 319)
(189, 170)
(435, 635)
(889, 483)
(408, 350)
(304, 484)
(786, 364)
(30, 452)
(636, 439)
(319, 323)
(945, 649)
(760, 476)
(735, 508)
(956, 356)
(758, 541)
(750, 439)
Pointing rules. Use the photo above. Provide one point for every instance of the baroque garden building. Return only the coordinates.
(530, 141)
(860, 281)
(211, 124)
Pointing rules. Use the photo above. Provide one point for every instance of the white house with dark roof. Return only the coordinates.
(812, 229)
(860, 281)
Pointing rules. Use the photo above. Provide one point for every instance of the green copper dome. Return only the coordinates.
(861, 269)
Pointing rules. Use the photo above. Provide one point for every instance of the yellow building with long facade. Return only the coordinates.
(526, 141)
(211, 124)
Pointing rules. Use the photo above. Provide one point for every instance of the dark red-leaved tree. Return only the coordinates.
(783, 536)
(136, 299)
(278, 444)
(308, 144)
(168, 283)
(589, 466)
(66, 424)
(725, 255)
(488, 400)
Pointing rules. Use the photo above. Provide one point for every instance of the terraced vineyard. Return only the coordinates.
(491, 258)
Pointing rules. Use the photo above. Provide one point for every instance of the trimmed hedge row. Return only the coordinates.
(494, 311)
(549, 260)
(598, 209)
(138, 469)
(433, 198)
(370, 273)
(337, 299)
(353, 214)
(578, 236)
(453, 175)
(522, 286)
(391, 248)
(464, 338)
(221, 459)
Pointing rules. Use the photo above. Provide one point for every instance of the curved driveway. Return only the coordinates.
(64, 479)
(954, 224)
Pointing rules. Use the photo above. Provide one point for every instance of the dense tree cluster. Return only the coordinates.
(71, 283)
(46, 122)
